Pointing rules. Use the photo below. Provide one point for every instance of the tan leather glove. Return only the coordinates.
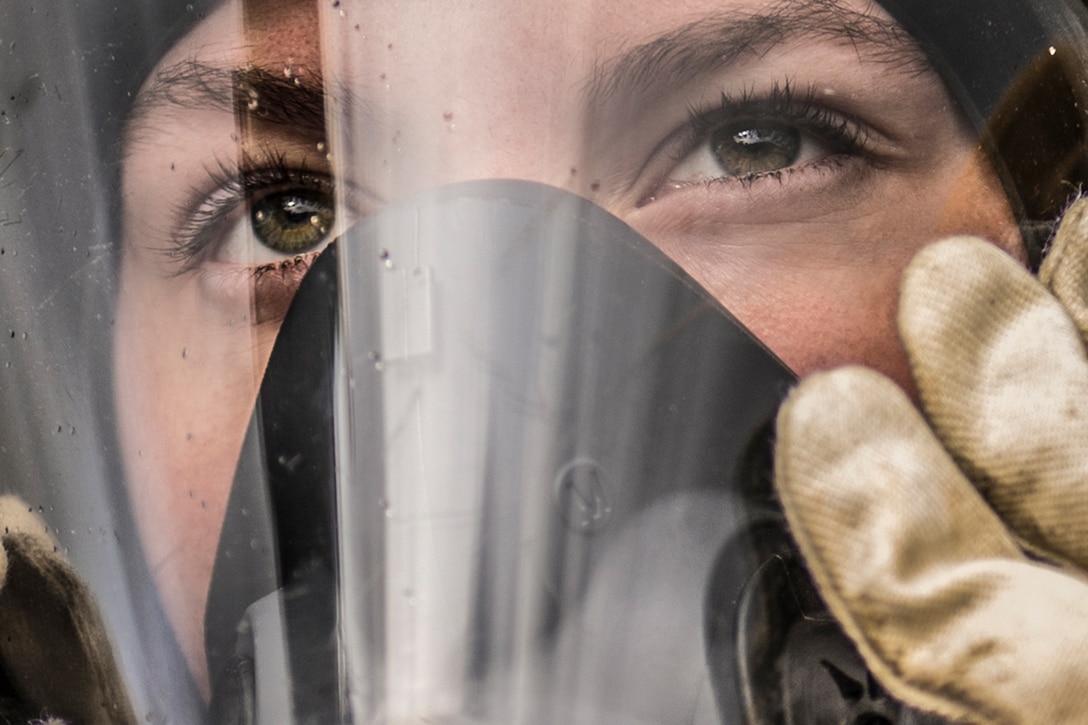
(953, 545)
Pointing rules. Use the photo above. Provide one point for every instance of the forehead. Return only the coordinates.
(547, 35)
(549, 65)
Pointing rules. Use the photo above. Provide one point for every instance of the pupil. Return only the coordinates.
(298, 211)
(292, 222)
(747, 149)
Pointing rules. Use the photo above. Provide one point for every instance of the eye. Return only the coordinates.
(293, 222)
(271, 220)
(744, 149)
(755, 137)
(260, 214)
(748, 150)
(256, 233)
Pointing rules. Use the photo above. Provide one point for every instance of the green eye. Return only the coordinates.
(294, 221)
(747, 149)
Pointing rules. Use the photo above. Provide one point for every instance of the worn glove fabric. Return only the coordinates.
(54, 655)
(952, 543)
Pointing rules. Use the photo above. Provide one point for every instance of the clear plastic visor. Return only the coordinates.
(782, 161)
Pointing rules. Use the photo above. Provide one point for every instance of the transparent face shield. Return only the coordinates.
(444, 342)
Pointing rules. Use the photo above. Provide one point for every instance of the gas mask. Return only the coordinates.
(553, 535)
(516, 510)
(447, 396)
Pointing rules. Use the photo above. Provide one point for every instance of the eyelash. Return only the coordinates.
(234, 187)
(841, 132)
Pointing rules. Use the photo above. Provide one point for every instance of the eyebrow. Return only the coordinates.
(700, 47)
(710, 43)
(255, 93)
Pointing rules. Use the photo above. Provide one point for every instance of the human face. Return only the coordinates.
(790, 156)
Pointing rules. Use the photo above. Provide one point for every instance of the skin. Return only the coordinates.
(809, 259)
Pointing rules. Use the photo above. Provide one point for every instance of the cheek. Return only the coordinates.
(186, 376)
(822, 320)
(825, 294)
(977, 205)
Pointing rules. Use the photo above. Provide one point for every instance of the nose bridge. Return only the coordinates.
(462, 92)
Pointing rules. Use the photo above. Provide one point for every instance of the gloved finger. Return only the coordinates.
(917, 568)
(1003, 379)
(54, 649)
(1065, 269)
